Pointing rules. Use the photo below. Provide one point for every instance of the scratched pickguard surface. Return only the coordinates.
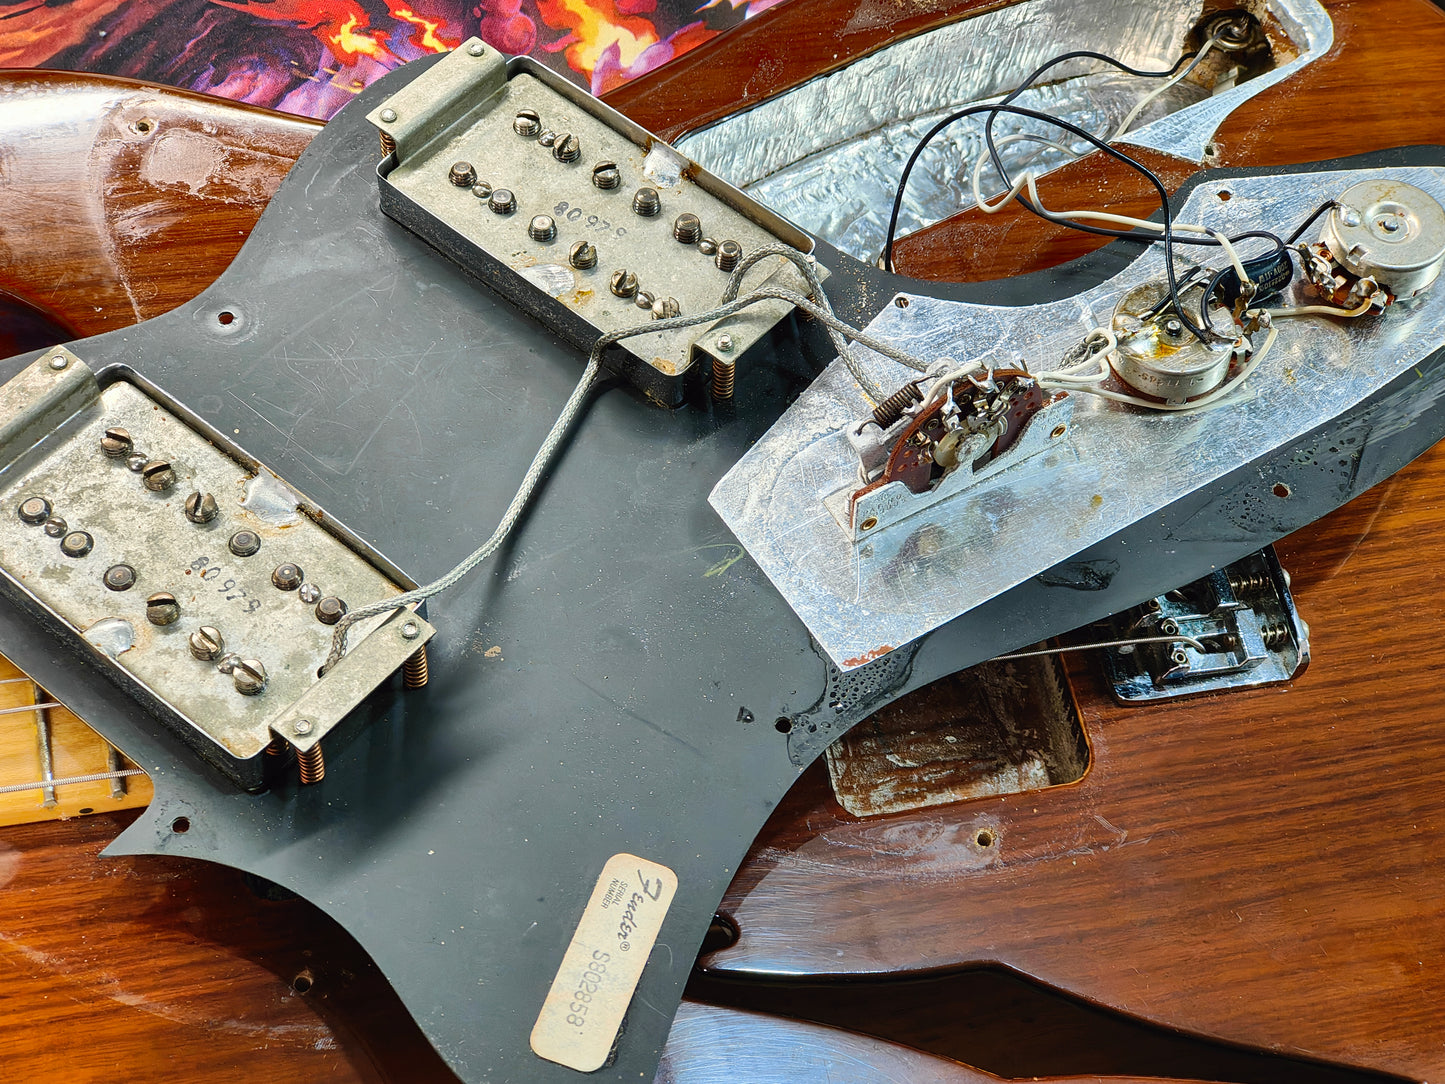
(613, 679)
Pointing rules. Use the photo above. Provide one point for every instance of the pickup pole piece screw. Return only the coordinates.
(542, 228)
(158, 476)
(687, 228)
(624, 283)
(119, 577)
(583, 255)
(665, 308)
(116, 442)
(245, 543)
(287, 577)
(249, 676)
(605, 175)
(527, 124)
(76, 544)
(643, 300)
(330, 610)
(56, 526)
(482, 190)
(309, 593)
(646, 202)
(707, 246)
(728, 255)
(136, 463)
(567, 148)
(462, 174)
(162, 608)
(207, 643)
(201, 507)
(34, 511)
(502, 202)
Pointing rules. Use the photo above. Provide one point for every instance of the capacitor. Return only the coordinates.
(1271, 274)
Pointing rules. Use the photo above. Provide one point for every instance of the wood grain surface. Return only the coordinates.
(1257, 869)
(1262, 867)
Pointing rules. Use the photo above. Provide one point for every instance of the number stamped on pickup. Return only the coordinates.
(600, 970)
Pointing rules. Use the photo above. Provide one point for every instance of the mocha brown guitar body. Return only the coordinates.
(1259, 870)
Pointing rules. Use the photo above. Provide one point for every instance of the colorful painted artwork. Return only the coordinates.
(311, 56)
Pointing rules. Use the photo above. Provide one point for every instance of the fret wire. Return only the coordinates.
(73, 780)
(24, 708)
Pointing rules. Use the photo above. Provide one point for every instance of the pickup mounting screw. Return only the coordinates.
(707, 246)
(388, 116)
(687, 228)
(201, 507)
(605, 175)
(207, 643)
(249, 676)
(76, 544)
(542, 228)
(56, 526)
(34, 511)
(567, 148)
(162, 608)
(302, 727)
(728, 255)
(583, 255)
(309, 593)
(646, 202)
(330, 610)
(528, 124)
(410, 631)
(502, 202)
(116, 442)
(476, 48)
(59, 361)
(119, 577)
(245, 543)
(287, 577)
(624, 283)
(158, 475)
(462, 174)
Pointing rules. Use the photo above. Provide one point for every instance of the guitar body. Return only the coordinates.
(1117, 888)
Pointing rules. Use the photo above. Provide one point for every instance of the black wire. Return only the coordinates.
(1321, 209)
(1004, 106)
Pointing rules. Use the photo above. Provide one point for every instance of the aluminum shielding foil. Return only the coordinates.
(829, 153)
(1116, 464)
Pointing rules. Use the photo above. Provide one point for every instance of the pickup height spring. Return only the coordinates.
(1243, 585)
(1275, 636)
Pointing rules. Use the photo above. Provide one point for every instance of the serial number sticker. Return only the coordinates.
(589, 997)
